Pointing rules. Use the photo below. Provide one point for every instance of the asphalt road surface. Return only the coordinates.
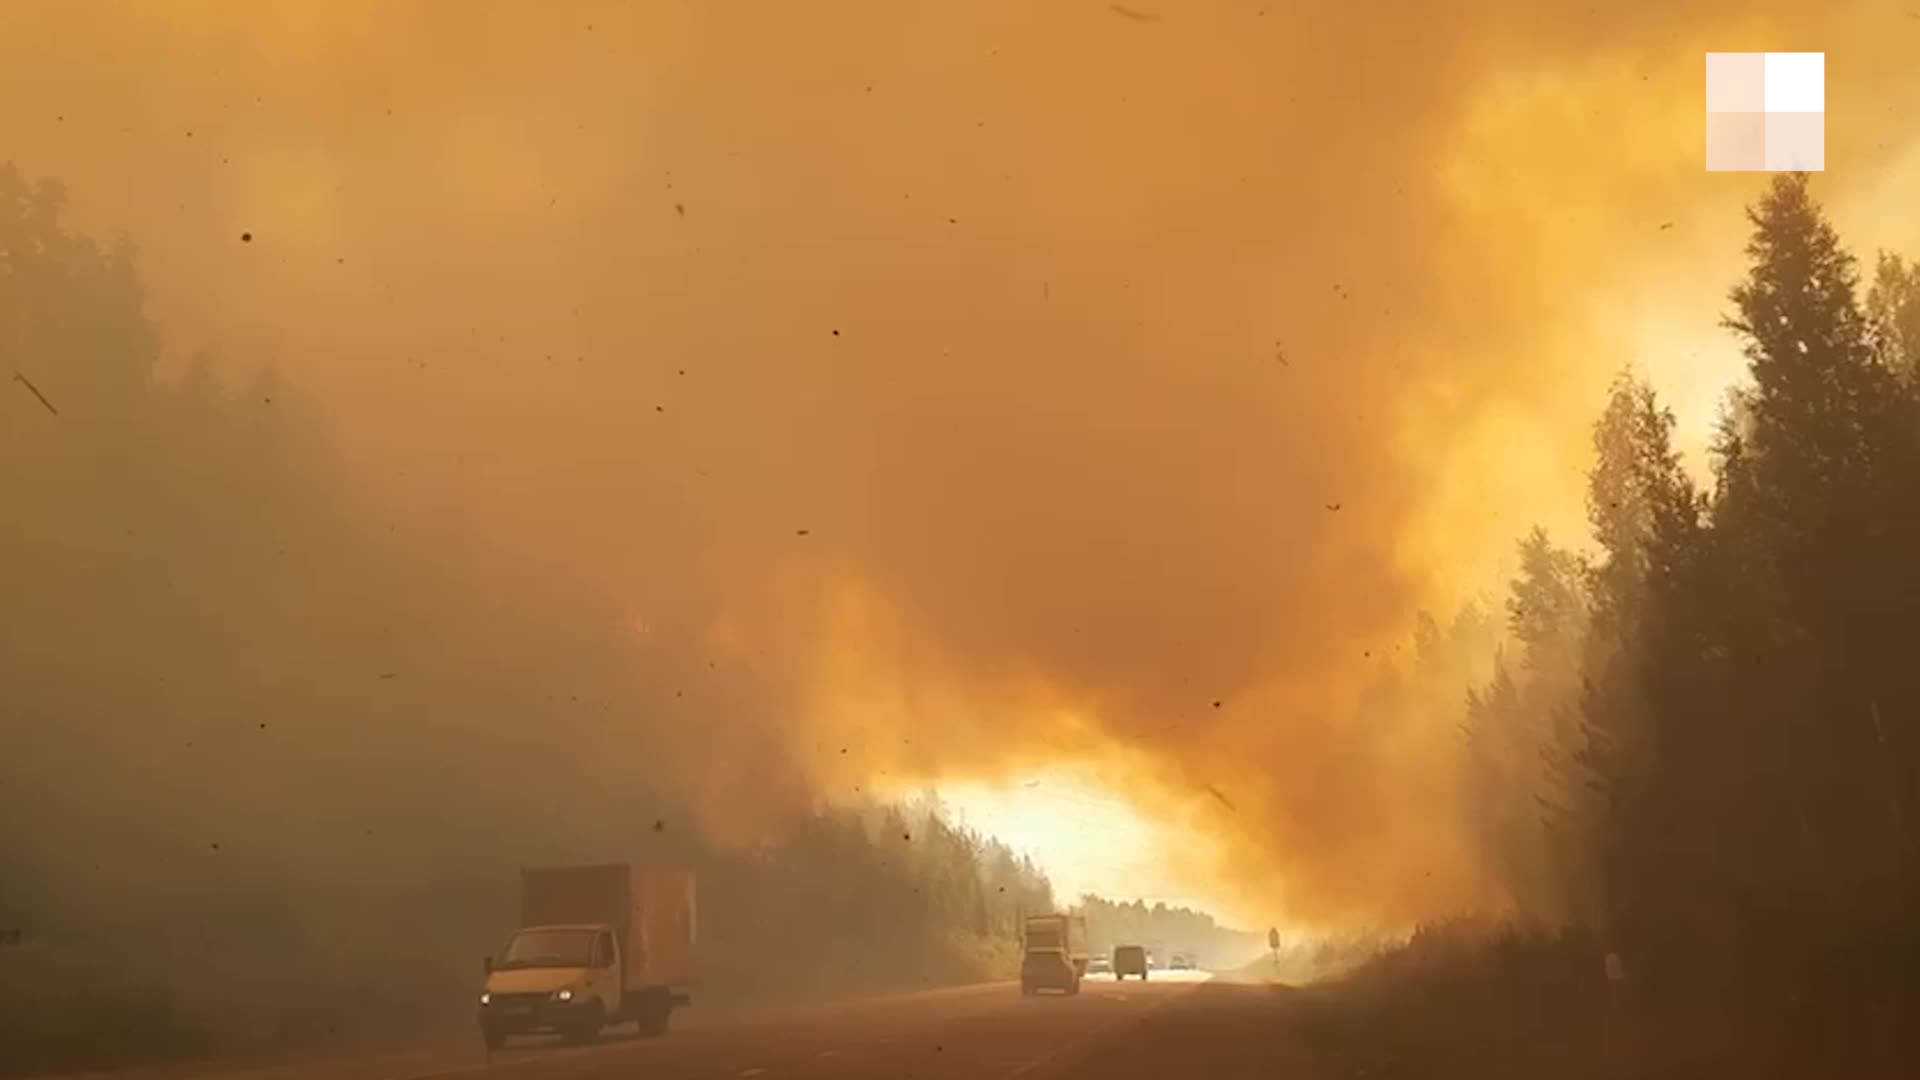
(1173, 1024)
(1176, 1024)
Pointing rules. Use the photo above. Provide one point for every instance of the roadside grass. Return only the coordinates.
(101, 1028)
(1465, 1001)
(66, 1011)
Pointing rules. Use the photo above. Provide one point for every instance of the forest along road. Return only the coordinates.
(1174, 1024)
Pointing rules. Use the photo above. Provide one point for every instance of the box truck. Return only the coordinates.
(1053, 953)
(596, 945)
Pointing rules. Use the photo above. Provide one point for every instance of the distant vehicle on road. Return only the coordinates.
(1180, 962)
(1100, 964)
(1129, 960)
(597, 945)
(1053, 952)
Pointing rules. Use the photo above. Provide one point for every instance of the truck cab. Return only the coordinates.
(564, 978)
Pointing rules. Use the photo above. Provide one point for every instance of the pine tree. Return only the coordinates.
(1822, 508)
(1644, 515)
(1893, 316)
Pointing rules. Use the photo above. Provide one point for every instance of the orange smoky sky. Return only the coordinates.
(999, 383)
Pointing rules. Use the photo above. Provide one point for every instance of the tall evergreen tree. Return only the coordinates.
(1644, 514)
(1893, 315)
(1821, 504)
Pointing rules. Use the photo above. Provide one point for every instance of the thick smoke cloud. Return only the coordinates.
(920, 388)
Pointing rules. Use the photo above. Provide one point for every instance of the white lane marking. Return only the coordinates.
(828, 1053)
(756, 1071)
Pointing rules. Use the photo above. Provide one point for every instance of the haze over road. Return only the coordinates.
(1170, 1025)
(1165, 1026)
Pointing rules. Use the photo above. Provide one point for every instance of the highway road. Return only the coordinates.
(1176, 1024)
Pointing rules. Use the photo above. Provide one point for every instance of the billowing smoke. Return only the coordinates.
(718, 405)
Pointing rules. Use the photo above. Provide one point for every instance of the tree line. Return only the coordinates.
(1701, 741)
(866, 897)
(1167, 931)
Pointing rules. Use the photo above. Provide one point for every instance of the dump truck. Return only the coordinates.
(1053, 952)
(596, 945)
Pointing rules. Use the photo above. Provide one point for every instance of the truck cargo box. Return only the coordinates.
(650, 908)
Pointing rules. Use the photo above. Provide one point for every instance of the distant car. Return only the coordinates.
(1100, 965)
(1181, 962)
(1129, 960)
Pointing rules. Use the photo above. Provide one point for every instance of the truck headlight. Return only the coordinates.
(486, 998)
(563, 995)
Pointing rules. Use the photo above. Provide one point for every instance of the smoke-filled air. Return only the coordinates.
(442, 439)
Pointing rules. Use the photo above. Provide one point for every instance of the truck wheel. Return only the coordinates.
(651, 1016)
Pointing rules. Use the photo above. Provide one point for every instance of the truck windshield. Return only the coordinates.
(548, 948)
